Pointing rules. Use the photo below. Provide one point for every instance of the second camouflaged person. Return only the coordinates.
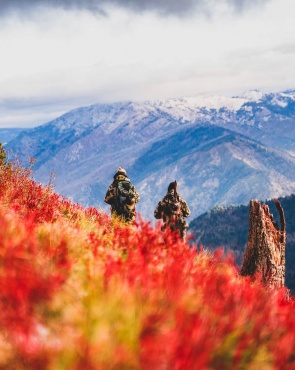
(172, 209)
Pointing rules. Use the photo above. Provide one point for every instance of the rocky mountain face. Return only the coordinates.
(220, 150)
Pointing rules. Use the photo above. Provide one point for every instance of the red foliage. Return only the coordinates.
(196, 311)
(30, 271)
(29, 276)
(205, 316)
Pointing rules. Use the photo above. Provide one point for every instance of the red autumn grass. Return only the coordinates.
(78, 291)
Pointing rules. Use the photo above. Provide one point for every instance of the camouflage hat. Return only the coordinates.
(120, 171)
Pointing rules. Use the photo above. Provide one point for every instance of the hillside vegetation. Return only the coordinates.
(80, 291)
(228, 227)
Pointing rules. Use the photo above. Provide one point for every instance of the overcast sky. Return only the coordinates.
(56, 55)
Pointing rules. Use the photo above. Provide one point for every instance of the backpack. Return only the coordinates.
(124, 194)
(173, 214)
(173, 207)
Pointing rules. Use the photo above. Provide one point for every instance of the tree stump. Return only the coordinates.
(265, 251)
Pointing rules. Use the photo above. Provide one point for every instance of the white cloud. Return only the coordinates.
(161, 7)
(58, 59)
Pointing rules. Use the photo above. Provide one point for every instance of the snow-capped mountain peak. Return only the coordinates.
(203, 102)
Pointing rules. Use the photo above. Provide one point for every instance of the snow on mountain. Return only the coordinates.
(189, 108)
(220, 150)
(253, 95)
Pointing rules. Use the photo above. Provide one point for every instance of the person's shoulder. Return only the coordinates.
(182, 200)
(166, 198)
(131, 185)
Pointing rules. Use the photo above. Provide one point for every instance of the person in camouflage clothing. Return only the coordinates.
(172, 209)
(122, 196)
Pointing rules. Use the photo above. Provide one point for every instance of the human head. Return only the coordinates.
(172, 186)
(121, 172)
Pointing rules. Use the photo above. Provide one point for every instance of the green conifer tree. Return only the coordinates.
(3, 157)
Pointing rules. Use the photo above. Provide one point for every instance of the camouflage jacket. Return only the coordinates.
(171, 209)
(122, 201)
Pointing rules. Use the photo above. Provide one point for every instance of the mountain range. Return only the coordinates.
(221, 150)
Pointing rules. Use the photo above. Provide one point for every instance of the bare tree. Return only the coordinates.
(265, 251)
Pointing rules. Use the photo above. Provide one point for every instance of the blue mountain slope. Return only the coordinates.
(8, 134)
(221, 150)
(213, 166)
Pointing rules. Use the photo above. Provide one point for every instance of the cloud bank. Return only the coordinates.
(59, 55)
(162, 7)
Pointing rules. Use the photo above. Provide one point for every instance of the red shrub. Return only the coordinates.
(190, 310)
(29, 276)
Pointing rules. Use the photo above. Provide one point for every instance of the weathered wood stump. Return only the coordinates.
(265, 251)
